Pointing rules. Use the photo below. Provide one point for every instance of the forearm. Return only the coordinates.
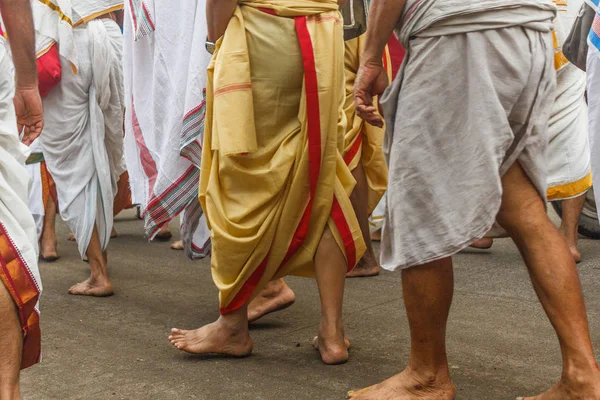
(383, 18)
(18, 21)
(218, 14)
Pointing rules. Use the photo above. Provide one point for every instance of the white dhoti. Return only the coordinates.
(165, 74)
(83, 134)
(593, 87)
(18, 238)
(569, 168)
(36, 191)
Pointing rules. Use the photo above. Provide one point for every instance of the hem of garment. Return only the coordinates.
(570, 190)
(450, 250)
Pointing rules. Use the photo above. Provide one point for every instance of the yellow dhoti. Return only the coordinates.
(273, 176)
(364, 142)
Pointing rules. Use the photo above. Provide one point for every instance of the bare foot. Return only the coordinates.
(113, 233)
(333, 351)
(367, 266)
(93, 287)
(71, 237)
(178, 245)
(580, 388)
(276, 296)
(407, 385)
(483, 244)
(48, 251)
(215, 338)
(164, 234)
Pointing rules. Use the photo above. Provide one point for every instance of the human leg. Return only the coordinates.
(11, 347)
(368, 265)
(330, 270)
(48, 241)
(98, 284)
(428, 291)
(571, 211)
(556, 282)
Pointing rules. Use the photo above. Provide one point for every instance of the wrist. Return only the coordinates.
(26, 82)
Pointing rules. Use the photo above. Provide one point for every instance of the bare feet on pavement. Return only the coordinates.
(48, 250)
(579, 388)
(178, 245)
(367, 266)
(332, 347)
(483, 244)
(71, 237)
(93, 287)
(406, 386)
(164, 234)
(113, 233)
(276, 296)
(215, 338)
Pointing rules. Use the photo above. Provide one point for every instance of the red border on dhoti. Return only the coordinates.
(17, 278)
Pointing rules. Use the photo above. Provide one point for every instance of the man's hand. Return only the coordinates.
(371, 80)
(30, 113)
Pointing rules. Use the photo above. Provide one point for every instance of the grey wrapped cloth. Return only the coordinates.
(464, 108)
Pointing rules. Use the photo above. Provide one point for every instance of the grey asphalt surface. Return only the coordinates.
(499, 341)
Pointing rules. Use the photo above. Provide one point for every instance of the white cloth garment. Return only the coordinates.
(83, 134)
(569, 164)
(454, 128)
(36, 196)
(21, 276)
(165, 74)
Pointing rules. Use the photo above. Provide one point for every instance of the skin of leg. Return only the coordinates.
(330, 272)
(98, 284)
(48, 241)
(556, 281)
(276, 296)
(571, 211)
(483, 243)
(11, 347)
(428, 291)
(228, 335)
(368, 265)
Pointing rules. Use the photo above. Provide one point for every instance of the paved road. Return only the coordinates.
(500, 343)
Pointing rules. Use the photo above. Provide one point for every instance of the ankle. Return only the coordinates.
(430, 375)
(235, 322)
(578, 371)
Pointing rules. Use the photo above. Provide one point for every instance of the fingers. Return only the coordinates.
(369, 115)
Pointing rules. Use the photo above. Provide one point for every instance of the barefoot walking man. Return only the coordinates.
(20, 285)
(274, 184)
(466, 142)
(363, 153)
(83, 136)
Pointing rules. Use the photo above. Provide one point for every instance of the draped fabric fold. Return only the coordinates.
(445, 189)
(83, 134)
(18, 239)
(165, 76)
(271, 186)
